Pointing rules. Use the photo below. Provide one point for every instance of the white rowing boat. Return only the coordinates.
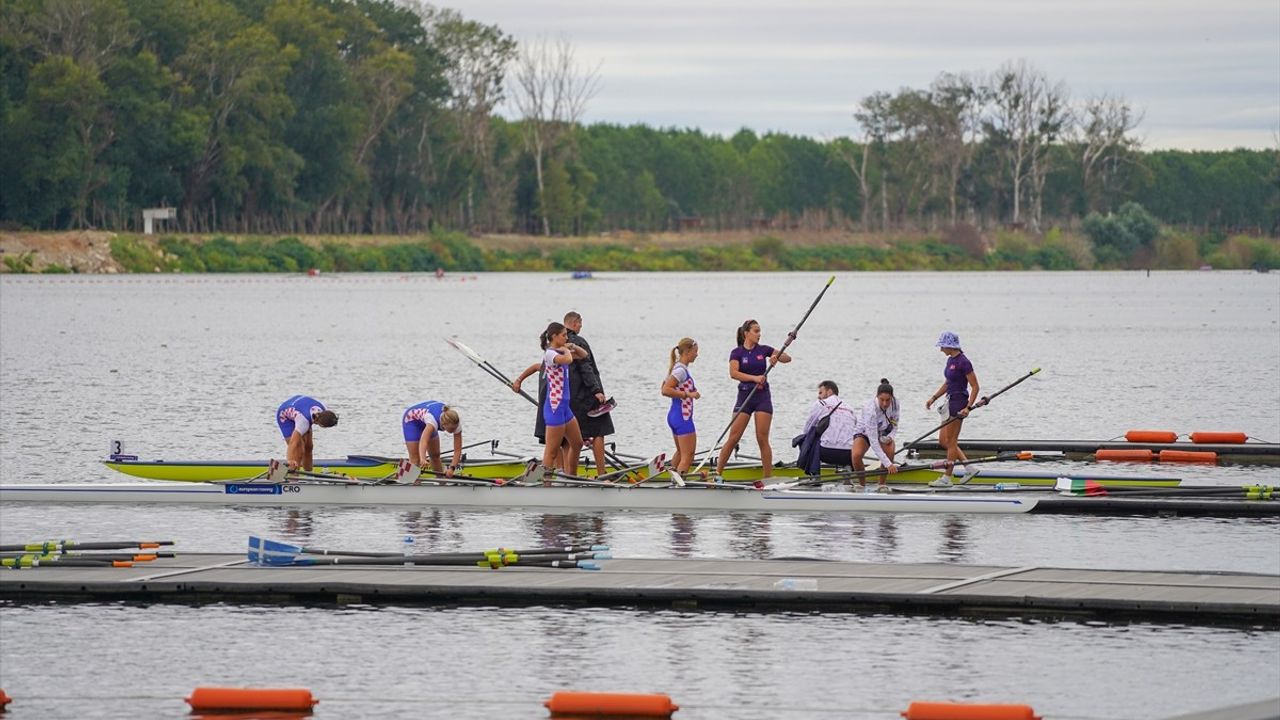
(571, 498)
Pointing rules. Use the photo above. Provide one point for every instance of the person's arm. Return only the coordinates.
(457, 454)
(669, 388)
(740, 376)
(779, 357)
(942, 390)
(567, 354)
(972, 377)
(515, 386)
(424, 452)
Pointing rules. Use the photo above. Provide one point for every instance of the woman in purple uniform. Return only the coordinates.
(748, 364)
(679, 386)
(960, 386)
(557, 354)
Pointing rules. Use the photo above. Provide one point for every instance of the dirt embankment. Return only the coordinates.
(86, 251)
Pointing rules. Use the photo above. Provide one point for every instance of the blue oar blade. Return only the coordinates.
(269, 552)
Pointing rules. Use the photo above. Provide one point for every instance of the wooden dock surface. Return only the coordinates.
(781, 584)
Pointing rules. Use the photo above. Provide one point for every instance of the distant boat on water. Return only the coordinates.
(581, 274)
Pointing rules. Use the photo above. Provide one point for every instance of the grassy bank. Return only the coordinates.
(454, 252)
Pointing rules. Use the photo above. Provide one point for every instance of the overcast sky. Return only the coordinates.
(1206, 72)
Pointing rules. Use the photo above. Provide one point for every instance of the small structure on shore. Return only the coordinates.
(151, 215)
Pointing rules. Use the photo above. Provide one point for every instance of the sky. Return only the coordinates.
(1206, 73)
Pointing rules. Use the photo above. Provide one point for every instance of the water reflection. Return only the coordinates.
(684, 535)
(552, 530)
(751, 535)
(955, 539)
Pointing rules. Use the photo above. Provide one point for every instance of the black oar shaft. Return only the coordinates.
(791, 336)
(985, 400)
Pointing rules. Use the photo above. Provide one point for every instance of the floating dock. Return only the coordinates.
(1243, 453)
(1203, 597)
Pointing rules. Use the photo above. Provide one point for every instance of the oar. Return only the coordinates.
(485, 365)
(791, 336)
(270, 547)
(34, 561)
(938, 465)
(984, 400)
(64, 545)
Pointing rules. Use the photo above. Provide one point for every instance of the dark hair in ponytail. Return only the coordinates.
(552, 330)
(885, 387)
(742, 331)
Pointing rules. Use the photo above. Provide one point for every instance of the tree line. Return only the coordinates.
(378, 116)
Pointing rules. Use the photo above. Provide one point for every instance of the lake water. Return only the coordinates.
(194, 367)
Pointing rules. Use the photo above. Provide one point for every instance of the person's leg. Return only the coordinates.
(555, 433)
(686, 446)
(597, 450)
(574, 434)
(859, 464)
(308, 448)
(764, 421)
(412, 449)
(433, 451)
(736, 429)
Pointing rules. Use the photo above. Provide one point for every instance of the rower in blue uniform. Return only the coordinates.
(421, 424)
(295, 417)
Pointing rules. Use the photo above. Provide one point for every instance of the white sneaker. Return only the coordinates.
(967, 476)
(944, 481)
(867, 490)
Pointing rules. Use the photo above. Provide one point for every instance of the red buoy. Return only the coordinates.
(1188, 456)
(595, 703)
(1225, 438)
(221, 698)
(966, 711)
(1151, 436)
(1125, 455)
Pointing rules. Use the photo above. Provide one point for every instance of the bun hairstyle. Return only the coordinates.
(742, 331)
(552, 330)
(679, 349)
(885, 387)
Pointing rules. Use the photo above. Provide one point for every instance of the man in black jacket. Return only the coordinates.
(586, 394)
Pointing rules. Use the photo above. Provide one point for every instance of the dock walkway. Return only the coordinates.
(778, 584)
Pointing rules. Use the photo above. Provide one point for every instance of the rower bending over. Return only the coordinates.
(557, 354)
(421, 437)
(955, 377)
(295, 418)
(679, 386)
(875, 430)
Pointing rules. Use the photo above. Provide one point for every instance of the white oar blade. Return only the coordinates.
(277, 471)
(462, 348)
(407, 472)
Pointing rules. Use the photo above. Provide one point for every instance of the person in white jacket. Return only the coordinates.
(875, 430)
(834, 444)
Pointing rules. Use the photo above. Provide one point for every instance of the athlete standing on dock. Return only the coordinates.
(295, 418)
(557, 354)
(679, 386)
(747, 364)
(421, 424)
(960, 386)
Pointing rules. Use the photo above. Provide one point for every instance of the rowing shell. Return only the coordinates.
(541, 498)
(373, 468)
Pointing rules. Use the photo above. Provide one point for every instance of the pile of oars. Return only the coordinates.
(69, 553)
(580, 557)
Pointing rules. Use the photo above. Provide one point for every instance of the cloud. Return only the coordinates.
(1207, 74)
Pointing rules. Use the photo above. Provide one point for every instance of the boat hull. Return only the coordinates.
(371, 469)
(509, 497)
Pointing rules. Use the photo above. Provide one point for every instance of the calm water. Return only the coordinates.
(193, 367)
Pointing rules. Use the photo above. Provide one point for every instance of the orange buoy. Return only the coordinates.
(595, 703)
(1188, 456)
(964, 711)
(4, 700)
(1151, 436)
(1226, 438)
(220, 698)
(1125, 455)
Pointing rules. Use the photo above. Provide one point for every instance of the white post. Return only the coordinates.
(150, 215)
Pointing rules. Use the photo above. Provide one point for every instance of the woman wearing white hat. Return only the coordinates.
(960, 385)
